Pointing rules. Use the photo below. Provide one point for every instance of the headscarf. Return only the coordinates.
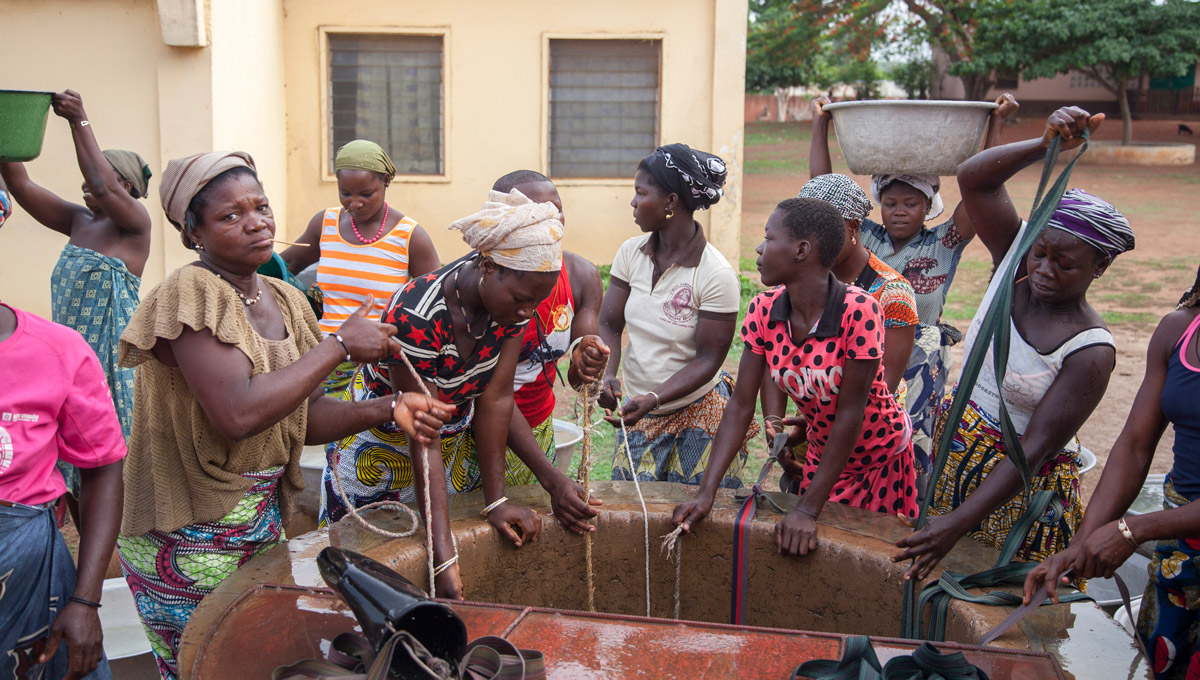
(516, 232)
(696, 176)
(845, 195)
(926, 184)
(363, 155)
(1093, 220)
(185, 177)
(131, 167)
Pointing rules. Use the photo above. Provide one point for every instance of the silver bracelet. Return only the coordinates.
(571, 347)
(492, 506)
(657, 400)
(802, 511)
(1124, 529)
(445, 565)
(343, 342)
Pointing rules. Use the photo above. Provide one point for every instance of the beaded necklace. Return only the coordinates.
(378, 235)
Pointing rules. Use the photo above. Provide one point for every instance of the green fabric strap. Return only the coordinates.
(859, 662)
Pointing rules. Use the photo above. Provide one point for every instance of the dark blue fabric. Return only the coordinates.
(37, 576)
(1181, 407)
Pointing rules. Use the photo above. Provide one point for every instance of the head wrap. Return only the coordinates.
(926, 184)
(696, 176)
(516, 232)
(185, 177)
(363, 155)
(131, 167)
(1094, 220)
(845, 195)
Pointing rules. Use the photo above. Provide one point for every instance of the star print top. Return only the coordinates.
(929, 261)
(424, 328)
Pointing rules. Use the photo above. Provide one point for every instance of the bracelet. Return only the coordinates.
(80, 600)
(343, 342)
(1124, 529)
(445, 565)
(802, 511)
(571, 347)
(657, 400)
(493, 506)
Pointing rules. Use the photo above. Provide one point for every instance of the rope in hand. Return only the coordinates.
(641, 498)
(672, 544)
(591, 392)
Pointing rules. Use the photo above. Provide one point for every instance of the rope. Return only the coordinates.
(641, 498)
(585, 471)
(672, 544)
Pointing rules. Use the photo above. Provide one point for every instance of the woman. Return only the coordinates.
(364, 248)
(1105, 540)
(680, 298)
(227, 369)
(1059, 362)
(822, 342)
(94, 288)
(926, 256)
(61, 412)
(462, 337)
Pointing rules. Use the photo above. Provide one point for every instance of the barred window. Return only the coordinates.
(387, 88)
(604, 106)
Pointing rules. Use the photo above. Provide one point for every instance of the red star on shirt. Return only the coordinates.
(485, 352)
(450, 361)
(403, 318)
(429, 277)
(424, 365)
(437, 327)
(418, 336)
(499, 332)
(410, 286)
(469, 387)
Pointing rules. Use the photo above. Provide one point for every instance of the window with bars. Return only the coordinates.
(387, 88)
(604, 106)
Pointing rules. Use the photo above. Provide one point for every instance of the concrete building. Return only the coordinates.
(460, 92)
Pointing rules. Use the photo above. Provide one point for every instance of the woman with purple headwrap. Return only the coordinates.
(1059, 361)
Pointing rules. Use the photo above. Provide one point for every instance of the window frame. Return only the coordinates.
(442, 32)
(663, 52)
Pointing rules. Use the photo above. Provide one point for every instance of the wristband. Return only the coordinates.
(80, 600)
(657, 400)
(1124, 529)
(493, 506)
(571, 347)
(802, 511)
(343, 343)
(445, 565)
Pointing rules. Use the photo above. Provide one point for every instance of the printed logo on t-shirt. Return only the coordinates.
(809, 383)
(6, 450)
(678, 307)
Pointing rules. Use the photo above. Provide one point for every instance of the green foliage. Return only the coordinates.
(783, 47)
(915, 77)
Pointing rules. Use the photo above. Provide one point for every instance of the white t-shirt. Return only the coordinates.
(662, 320)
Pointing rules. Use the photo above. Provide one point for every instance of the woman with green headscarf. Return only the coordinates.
(363, 248)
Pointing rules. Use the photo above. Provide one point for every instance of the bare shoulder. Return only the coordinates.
(585, 276)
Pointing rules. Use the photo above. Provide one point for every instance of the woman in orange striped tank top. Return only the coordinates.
(366, 247)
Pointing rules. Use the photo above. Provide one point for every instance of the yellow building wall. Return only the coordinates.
(495, 72)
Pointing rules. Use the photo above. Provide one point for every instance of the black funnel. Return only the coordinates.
(381, 598)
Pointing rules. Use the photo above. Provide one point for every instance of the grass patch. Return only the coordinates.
(1114, 318)
(775, 166)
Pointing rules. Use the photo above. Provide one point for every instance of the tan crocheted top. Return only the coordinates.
(180, 470)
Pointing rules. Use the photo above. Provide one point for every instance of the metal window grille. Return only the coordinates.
(388, 88)
(604, 106)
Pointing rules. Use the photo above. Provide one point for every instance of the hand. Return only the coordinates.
(79, 625)
(1008, 106)
(367, 341)
(1048, 571)
(421, 417)
(69, 105)
(610, 394)
(688, 513)
(633, 410)
(566, 499)
(796, 534)
(517, 523)
(1069, 123)
(929, 545)
(589, 359)
(787, 461)
(449, 583)
(818, 107)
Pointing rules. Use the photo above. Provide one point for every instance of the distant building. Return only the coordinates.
(459, 92)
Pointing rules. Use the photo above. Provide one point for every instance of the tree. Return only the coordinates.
(1112, 41)
(914, 76)
(783, 50)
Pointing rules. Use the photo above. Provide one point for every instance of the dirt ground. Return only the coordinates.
(1140, 287)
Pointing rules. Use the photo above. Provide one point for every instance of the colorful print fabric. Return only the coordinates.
(1169, 620)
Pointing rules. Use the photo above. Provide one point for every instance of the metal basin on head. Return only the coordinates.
(900, 137)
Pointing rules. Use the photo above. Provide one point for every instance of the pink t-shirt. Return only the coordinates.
(54, 404)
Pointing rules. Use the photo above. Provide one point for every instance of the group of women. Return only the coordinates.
(417, 371)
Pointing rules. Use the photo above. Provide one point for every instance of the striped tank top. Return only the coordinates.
(348, 272)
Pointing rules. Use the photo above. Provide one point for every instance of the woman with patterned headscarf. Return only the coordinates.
(462, 337)
(1060, 358)
(927, 256)
(678, 298)
(363, 248)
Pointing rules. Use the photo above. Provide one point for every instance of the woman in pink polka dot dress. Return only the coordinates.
(820, 341)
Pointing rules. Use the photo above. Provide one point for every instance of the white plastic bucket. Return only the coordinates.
(566, 437)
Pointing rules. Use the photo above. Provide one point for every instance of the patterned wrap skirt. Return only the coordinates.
(674, 447)
(1169, 620)
(977, 448)
(925, 378)
(37, 575)
(516, 473)
(169, 572)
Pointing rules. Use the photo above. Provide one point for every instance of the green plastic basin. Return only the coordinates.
(22, 124)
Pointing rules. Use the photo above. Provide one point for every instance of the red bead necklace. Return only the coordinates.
(382, 224)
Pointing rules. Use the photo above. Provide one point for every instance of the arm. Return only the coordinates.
(332, 419)
(818, 148)
(566, 496)
(41, 204)
(897, 349)
(1071, 398)
(985, 201)
(422, 256)
(587, 291)
(612, 325)
(126, 212)
(730, 433)
(299, 258)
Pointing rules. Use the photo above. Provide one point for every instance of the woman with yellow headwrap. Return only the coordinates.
(365, 247)
(463, 338)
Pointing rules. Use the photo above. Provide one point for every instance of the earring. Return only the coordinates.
(853, 240)
(199, 246)
(796, 259)
(670, 214)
